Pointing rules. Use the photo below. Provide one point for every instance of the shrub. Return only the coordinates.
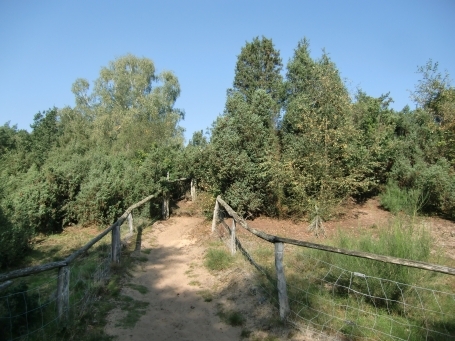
(13, 241)
(427, 187)
(396, 199)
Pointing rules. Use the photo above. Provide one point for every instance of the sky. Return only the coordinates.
(376, 45)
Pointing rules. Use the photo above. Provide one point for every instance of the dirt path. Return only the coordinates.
(174, 279)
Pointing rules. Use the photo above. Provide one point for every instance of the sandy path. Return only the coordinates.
(176, 311)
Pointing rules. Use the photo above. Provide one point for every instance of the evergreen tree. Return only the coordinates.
(243, 144)
(318, 137)
(258, 67)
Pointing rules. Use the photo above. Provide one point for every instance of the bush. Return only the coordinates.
(13, 241)
(421, 186)
(396, 199)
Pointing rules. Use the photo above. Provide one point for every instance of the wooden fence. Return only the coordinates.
(63, 282)
(279, 246)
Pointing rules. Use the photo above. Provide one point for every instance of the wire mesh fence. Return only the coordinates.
(334, 300)
(29, 307)
(344, 304)
(258, 252)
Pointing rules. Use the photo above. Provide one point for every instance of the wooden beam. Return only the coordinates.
(49, 266)
(63, 293)
(31, 270)
(115, 244)
(233, 248)
(215, 216)
(281, 282)
(130, 222)
(385, 259)
(5, 285)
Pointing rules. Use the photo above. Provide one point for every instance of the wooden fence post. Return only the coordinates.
(130, 222)
(215, 216)
(193, 190)
(165, 209)
(233, 248)
(63, 293)
(281, 282)
(115, 244)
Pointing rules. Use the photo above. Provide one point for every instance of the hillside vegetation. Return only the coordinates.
(285, 146)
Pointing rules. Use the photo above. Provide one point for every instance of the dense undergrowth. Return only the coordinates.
(283, 146)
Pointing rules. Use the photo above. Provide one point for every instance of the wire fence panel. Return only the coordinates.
(260, 254)
(28, 308)
(340, 297)
(342, 303)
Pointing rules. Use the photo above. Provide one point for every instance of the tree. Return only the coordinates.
(432, 84)
(377, 145)
(258, 67)
(7, 134)
(435, 94)
(131, 107)
(318, 137)
(242, 147)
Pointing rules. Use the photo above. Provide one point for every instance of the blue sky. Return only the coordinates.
(377, 45)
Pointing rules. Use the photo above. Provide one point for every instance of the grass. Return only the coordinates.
(395, 199)
(360, 298)
(92, 293)
(206, 295)
(345, 294)
(139, 288)
(134, 310)
(245, 333)
(230, 317)
(217, 259)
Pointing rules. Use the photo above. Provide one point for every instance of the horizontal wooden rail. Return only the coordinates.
(31, 270)
(385, 259)
(5, 285)
(49, 266)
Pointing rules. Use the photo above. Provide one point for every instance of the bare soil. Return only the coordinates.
(186, 299)
(357, 219)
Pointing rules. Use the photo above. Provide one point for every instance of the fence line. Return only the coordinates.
(318, 294)
(52, 305)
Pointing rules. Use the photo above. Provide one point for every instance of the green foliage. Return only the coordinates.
(258, 67)
(129, 110)
(243, 154)
(376, 144)
(432, 84)
(88, 163)
(7, 138)
(243, 145)
(396, 199)
(318, 137)
(13, 240)
(44, 135)
(231, 317)
(431, 184)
